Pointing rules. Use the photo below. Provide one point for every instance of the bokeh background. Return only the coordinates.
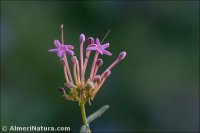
(155, 89)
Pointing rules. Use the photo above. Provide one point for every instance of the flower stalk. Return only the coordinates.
(84, 118)
(93, 65)
(64, 54)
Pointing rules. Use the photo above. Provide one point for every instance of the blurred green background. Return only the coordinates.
(156, 88)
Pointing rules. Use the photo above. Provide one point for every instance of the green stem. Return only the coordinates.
(85, 128)
(83, 114)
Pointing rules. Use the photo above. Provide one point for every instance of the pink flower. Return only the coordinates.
(99, 48)
(79, 89)
(61, 49)
(82, 90)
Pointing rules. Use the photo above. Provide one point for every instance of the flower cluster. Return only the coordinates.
(76, 87)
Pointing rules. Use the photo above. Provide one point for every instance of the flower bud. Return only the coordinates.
(122, 55)
(97, 78)
(90, 40)
(99, 62)
(74, 59)
(62, 27)
(89, 85)
(107, 73)
(82, 38)
(70, 85)
(62, 61)
(62, 90)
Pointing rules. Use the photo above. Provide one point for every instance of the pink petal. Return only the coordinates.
(98, 42)
(53, 50)
(105, 46)
(70, 52)
(60, 53)
(100, 52)
(69, 46)
(57, 43)
(92, 48)
(107, 52)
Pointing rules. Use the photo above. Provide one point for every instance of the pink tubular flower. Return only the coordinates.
(100, 48)
(61, 49)
(77, 88)
(82, 90)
